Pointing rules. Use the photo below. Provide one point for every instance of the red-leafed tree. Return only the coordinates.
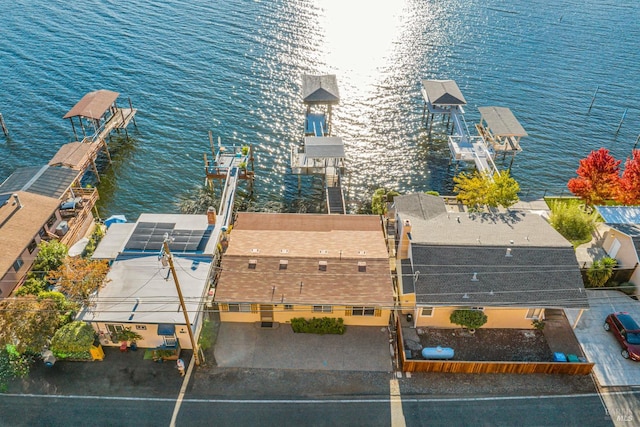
(598, 177)
(629, 191)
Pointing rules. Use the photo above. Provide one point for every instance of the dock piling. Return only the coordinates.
(593, 99)
(622, 120)
(4, 126)
(636, 143)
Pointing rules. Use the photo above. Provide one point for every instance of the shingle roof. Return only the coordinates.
(443, 92)
(501, 121)
(323, 147)
(320, 89)
(18, 227)
(448, 246)
(530, 276)
(303, 240)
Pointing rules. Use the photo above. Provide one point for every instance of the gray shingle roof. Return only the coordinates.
(443, 92)
(449, 246)
(530, 277)
(320, 89)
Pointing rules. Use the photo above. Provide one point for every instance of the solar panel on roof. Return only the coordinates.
(149, 236)
(4, 198)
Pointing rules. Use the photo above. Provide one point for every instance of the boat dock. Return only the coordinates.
(97, 115)
(498, 130)
(320, 153)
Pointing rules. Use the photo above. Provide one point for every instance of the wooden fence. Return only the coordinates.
(477, 367)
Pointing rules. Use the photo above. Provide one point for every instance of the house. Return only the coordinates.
(140, 293)
(512, 265)
(25, 220)
(39, 203)
(281, 266)
(621, 238)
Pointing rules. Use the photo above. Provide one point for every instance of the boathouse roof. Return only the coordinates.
(501, 121)
(320, 89)
(44, 180)
(443, 92)
(75, 155)
(323, 147)
(93, 105)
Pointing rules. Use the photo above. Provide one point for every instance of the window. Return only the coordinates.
(32, 246)
(234, 308)
(322, 265)
(362, 267)
(283, 264)
(252, 264)
(322, 309)
(426, 312)
(245, 308)
(477, 308)
(534, 314)
(141, 327)
(18, 263)
(288, 307)
(363, 311)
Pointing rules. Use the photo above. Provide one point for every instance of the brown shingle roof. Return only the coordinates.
(75, 155)
(19, 226)
(303, 240)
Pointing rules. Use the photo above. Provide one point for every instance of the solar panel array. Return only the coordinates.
(149, 236)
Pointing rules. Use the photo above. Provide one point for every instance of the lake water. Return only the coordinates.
(234, 67)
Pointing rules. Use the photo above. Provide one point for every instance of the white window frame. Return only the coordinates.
(322, 309)
(363, 311)
(422, 310)
(533, 311)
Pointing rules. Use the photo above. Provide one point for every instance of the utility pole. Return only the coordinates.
(169, 258)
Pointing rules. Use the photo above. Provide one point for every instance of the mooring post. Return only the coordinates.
(593, 99)
(4, 127)
(622, 119)
(636, 143)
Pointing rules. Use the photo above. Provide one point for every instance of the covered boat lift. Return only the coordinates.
(500, 128)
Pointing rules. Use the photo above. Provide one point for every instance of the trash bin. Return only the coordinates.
(48, 358)
(409, 317)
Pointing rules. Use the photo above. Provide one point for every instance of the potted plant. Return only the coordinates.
(128, 336)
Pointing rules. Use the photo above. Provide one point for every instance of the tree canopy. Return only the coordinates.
(380, 198)
(78, 278)
(477, 189)
(28, 322)
(629, 191)
(598, 177)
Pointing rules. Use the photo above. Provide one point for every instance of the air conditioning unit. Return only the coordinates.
(62, 228)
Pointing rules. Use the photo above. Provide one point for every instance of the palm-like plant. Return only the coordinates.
(601, 271)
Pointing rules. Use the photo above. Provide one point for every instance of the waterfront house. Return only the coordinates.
(621, 239)
(281, 266)
(140, 293)
(25, 220)
(510, 264)
(38, 188)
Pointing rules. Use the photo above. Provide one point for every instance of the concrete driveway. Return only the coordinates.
(244, 345)
(600, 346)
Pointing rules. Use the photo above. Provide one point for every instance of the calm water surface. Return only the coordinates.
(234, 68)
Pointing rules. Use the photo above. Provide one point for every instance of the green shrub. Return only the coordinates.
(570, 220)
(75, 337)
(206, 335)
(470, 319)
(32, 286)
(322, 326)
(432, 192)
(600, 272)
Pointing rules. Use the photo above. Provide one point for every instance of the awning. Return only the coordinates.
(166, 329)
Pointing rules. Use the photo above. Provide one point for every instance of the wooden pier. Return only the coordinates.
(320, 153)
(98, 115)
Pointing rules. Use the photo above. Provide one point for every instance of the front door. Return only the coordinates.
(266, 314)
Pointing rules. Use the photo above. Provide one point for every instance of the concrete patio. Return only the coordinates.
(246, 345)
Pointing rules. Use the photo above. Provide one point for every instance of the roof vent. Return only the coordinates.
(362, 267)
(322, 265)
(252, 264)
(283, 264)
(508, 254)
(475, 277)
(17, 202)
(465, 296)
(491, 292)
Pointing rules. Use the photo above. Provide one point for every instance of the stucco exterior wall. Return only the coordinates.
(626, 256)
(149, 333)
(282, 315)
(512, 318)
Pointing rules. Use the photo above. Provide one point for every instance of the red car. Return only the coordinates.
(627, 332)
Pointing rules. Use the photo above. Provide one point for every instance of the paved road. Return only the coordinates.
(508, 411)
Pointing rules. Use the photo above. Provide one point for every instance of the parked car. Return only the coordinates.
(627, 332)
